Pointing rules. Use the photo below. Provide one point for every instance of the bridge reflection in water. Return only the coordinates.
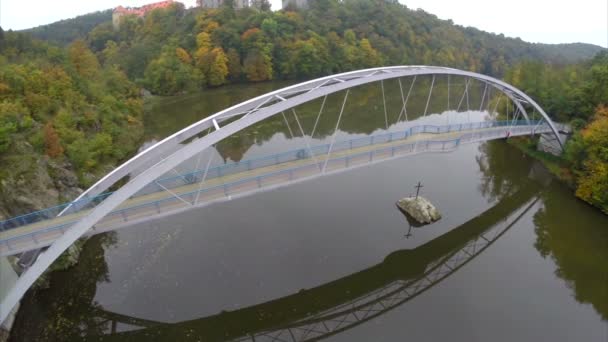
(342, 304)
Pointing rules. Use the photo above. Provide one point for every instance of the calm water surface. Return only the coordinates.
(264, 262)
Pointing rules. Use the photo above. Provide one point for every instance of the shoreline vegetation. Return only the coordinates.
(583, 166)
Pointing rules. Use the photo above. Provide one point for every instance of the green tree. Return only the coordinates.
(258, 66)
(234, 65)
(83, 60)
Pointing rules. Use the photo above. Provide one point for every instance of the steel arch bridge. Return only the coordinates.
(167, 154)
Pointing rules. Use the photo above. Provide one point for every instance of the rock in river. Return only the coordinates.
(421, 209)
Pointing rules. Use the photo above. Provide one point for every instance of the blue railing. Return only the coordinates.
(250, 164)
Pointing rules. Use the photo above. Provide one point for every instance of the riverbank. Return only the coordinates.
(558, 166)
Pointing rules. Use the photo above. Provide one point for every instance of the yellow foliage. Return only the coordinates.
(203, 40)
(593, 180)
(183, 55)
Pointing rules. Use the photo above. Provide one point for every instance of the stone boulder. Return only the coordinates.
(420, 209)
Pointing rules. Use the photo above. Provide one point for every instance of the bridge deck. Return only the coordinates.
(160, 203)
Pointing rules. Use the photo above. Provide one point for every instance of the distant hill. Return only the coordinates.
(569, 53)
(66, 31)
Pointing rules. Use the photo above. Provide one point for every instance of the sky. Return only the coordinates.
(544, 21)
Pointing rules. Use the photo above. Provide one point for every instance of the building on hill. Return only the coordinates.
(295, 3)
(238, 4)
(120, 11)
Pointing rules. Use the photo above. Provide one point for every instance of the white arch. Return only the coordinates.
(246, 114)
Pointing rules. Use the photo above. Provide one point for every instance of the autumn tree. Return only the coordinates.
(258, 66)
(51, 141)
(83, 60)
(217, 68)
(234, 64)
(183, 56)
(588, 151)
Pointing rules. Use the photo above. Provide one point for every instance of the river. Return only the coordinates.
(523, 259)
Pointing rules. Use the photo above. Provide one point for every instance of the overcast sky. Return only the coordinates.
(546, 21)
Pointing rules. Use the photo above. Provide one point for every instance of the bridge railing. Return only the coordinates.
(263, 162)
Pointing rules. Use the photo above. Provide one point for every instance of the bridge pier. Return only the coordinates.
(8, 278)
(548, 143)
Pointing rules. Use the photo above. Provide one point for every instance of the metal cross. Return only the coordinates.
(418, 189)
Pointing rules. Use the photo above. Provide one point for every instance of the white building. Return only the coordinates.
(238, 4)
(295, 3)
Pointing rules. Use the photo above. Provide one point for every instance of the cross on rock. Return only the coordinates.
(418, 189)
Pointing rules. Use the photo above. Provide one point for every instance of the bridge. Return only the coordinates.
(144, 189)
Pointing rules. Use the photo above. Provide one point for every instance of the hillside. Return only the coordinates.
(570, 53)
(64, 32)
(401, 35)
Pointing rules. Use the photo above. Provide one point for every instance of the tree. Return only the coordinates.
(368, 56)
(110, 55)
(51, 141)
(6, 131)
(183, 56)
(217, 67)
(589, 154)
(234, 65)
(1, 39)
(83, 60)
(168, 75)
(258, 66)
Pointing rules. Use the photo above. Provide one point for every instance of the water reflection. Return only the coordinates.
(331, 307)
(347, 302)
(66, 311)
(575, 236)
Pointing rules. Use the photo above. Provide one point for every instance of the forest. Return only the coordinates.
(575, 94)
(71, 92)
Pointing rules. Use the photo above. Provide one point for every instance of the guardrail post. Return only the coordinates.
(290, 174)
(157, 207)
(124, 216)
(351, 144)
(259, 180)
(371, 155)
(393, 151)
(226, 189)
(249, 164)
(347, 161)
